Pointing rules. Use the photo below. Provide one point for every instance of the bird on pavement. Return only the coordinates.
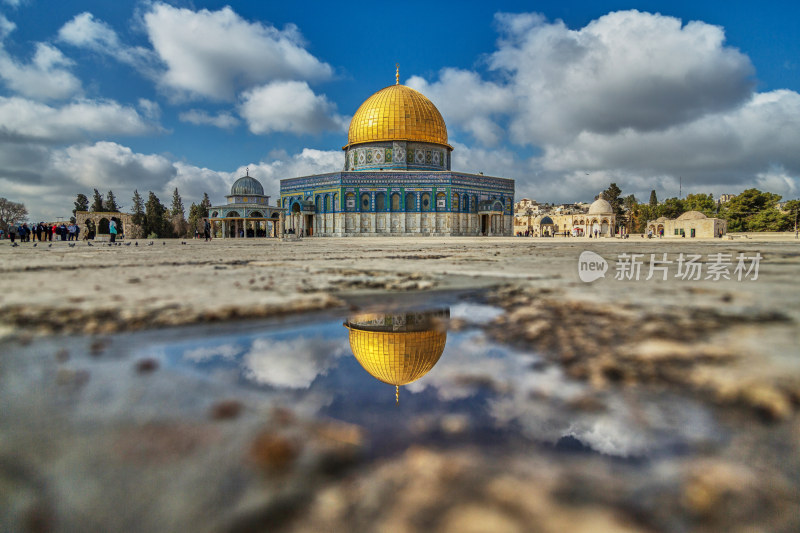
(89, 244)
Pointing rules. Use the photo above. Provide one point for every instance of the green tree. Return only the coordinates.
(611, 195)
(110, 204)
(205, 204)
(671, 208)
(156, 220)
(177, 204)
(81, 204)
(177, 215)
(743, 210)
(791, 215)
(97, 202)
(653, 198)
(700, 202)
(138, 209)
(11, 213)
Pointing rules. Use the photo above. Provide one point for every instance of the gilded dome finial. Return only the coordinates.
(397, 73)
(247, 171)
(397, 394)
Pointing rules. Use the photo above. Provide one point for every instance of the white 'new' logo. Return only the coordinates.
(591, 266)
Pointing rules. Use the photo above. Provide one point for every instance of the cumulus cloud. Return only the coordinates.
(465, 99)
(25, 120)
(84, 31)
(45, 77)
(289, 106)
(625, 70)
(200, 117)
(231, 55)
(294, 363)
(112, 164)
(640, 99)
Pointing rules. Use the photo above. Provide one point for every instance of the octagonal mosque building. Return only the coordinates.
(397, 180)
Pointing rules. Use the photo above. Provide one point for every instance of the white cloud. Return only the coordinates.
(464, 99)
(22, 119)
(294, 363)
(13, 3)
(6, 27)
(46, 77)
(206, 353)
(288, 106)
(223, 120)
(150, 109)
(232, 53)
(624, 70)
(112, 165)
(84, 31)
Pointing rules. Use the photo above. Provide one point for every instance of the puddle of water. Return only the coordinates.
(406, 379)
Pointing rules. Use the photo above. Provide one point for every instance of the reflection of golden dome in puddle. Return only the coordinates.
(398, 349)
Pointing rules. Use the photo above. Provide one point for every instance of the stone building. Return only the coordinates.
(691, 224)
(99, 222)
(247, 213)
(397, 180)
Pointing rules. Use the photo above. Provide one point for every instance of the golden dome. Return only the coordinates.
(397, 358)
(397, 113)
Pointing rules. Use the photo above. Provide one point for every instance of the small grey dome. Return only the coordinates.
(247, 185)
(545, 221)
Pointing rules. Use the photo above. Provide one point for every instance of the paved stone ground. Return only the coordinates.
(730, 344)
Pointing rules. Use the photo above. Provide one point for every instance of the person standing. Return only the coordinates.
(207, 230)
(112, 229)
(12, 232)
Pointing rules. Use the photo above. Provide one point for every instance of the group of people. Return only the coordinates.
(43, 232)
(56, 232)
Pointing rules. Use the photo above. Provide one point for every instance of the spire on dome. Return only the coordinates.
(397, 73)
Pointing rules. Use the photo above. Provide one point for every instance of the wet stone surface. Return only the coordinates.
(281, 426)
(234, 388)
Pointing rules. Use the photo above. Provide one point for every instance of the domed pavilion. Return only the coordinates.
(247, 213)
(397, 179)
(598, 221)
(398, 348)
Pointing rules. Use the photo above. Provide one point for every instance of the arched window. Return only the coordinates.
(380, 202)
(350, 201)
(327, 203)
(425, 201)
(396, 202)
(336, 206)
(441, 201)
(364, 202)
(411, 202)
(456, 203)
(319, 204)
(474, 204)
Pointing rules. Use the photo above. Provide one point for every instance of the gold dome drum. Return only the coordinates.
(397, 113)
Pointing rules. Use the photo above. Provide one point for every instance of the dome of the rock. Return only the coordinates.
(397, 113)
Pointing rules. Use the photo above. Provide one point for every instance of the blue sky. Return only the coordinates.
(564, 97)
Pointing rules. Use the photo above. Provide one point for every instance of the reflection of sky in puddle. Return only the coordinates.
(478, 393)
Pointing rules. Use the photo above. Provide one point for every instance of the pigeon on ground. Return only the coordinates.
(72, 245)
(34, 244)
(127, 244)
(150, 243)
(89, 244)
(14, 245)
(162, 242)
(49, 245)
(183, 242)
